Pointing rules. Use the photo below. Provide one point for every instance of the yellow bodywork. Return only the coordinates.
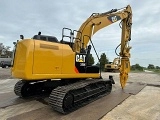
(37, 59)
(113, 66)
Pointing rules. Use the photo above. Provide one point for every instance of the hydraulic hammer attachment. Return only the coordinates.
(124, 70)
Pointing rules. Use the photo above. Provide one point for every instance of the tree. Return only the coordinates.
(90, 60)
(103, 60)
(137, 67)
(5, 51)
(151, 66)
(157, 67)
(1, 48)
(98, 64)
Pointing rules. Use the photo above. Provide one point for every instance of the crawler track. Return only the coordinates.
(65, 98)
(68, 98)
(27, 89)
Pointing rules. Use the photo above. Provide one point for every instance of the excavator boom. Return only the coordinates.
(98, 21)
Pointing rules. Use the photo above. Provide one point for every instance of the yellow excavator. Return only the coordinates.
(112, 66)
(60, 68)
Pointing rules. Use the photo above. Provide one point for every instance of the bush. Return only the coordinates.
(137, 67)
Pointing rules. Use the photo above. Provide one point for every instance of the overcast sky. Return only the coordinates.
(27, 17)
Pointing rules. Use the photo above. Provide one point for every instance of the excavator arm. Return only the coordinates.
(98, 21)
(125, 48)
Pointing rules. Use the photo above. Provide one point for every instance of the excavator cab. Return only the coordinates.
(81, 59)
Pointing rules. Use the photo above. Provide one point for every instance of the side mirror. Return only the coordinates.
(21, 37)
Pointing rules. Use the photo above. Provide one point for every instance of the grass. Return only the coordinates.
(156, 71)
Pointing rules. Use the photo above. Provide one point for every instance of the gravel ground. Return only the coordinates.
(19, 109)
(143, 106)
(5, 73)
(6, 80)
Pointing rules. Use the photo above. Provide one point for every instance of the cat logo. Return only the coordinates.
(114, 18)
(80, 58)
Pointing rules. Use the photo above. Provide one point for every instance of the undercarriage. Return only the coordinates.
(65, 95)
